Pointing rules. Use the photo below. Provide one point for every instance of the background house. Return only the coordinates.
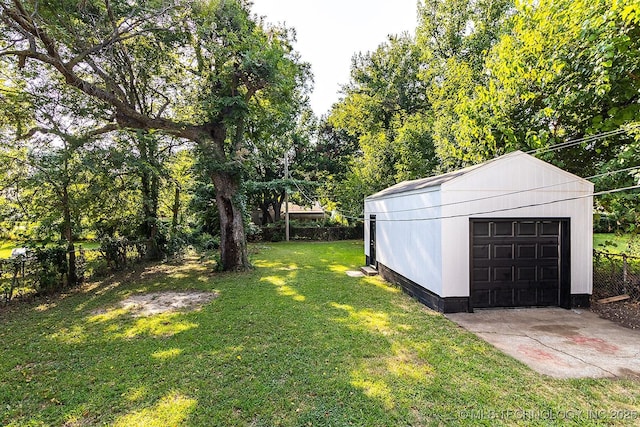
(296, 212)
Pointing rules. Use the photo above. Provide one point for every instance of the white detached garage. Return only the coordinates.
(512, 232)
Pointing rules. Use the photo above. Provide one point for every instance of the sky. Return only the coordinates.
(330, 32)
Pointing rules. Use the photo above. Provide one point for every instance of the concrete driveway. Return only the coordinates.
(557, 342)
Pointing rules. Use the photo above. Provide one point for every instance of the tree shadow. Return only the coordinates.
(294, 342)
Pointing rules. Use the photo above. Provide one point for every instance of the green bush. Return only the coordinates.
(316, 233)
(204, 241)
(253, 232)
(120, 251)
(49, 268)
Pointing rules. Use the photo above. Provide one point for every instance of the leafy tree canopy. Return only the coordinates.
(195, 70)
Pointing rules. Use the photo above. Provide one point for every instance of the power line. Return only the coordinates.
(479, 199)
(573, 142)
(355, 218)
(600, 193)
(590, 138)
(358, 218)
(600, 175)
(323, 207)
(303, 193)
(586, 139)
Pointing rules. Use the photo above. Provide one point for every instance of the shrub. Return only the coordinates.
(205, 242)
(118, 252)
(49, 267)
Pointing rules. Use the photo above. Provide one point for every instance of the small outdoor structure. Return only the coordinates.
(296, 212)
(512, 232)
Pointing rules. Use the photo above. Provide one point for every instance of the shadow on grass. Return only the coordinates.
(294, 342)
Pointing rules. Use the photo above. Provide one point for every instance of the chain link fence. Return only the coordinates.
(615, 274)
(46, 270)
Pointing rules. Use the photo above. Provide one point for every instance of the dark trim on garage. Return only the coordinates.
(580, 301)
(372, 242)
(565, 263)
(452, 304)
(425, 296)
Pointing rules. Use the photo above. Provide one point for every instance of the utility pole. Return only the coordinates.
(286, 199)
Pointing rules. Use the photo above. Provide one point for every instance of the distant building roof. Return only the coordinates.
(297, 209)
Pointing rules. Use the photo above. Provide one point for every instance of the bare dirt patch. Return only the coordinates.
(168, 301)
(626, 313)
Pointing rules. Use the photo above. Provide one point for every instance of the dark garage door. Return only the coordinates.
(515, 263)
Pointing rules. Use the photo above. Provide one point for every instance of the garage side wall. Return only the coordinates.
(520, 188)
(407, 241)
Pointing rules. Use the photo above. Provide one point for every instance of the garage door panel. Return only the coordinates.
(527, 228)
(548, 296)
(550, 228)
(481, 229)
(515, 263)
(526, 274)
(503, 274)
(481, 252)
(549, 251)
(504, 229)
(527, 251)
(502, 251)
(527, 297)
(549, 273)
(482, 275)
(503, 297)
(482, 297)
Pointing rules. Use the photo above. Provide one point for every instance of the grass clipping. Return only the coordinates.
(143, 305)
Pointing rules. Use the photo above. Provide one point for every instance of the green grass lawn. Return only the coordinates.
(7, 245)
(615, 243)
(295, 342)
(5, 248)
(603, 241)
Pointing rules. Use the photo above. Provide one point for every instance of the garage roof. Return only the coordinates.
(433, 181)
(436, 181)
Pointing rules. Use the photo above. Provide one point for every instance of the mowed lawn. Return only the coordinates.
(6, 246)
(616, 243)
(295, 342)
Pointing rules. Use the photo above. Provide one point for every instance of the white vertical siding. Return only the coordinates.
(409, 247)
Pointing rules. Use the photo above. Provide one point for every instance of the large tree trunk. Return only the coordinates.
(264, 207)
(72, 276)
(150, 194)
(277, 205)
(233, 244)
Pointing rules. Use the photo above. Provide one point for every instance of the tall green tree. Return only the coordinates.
(562, 70)
(146, 156)
(45, 159)
(276, 132)
(454, 37)
(177, 194)
(385, 113)
(209, 62)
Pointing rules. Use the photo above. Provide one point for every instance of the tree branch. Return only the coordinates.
(209, 135)
(88, 135)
